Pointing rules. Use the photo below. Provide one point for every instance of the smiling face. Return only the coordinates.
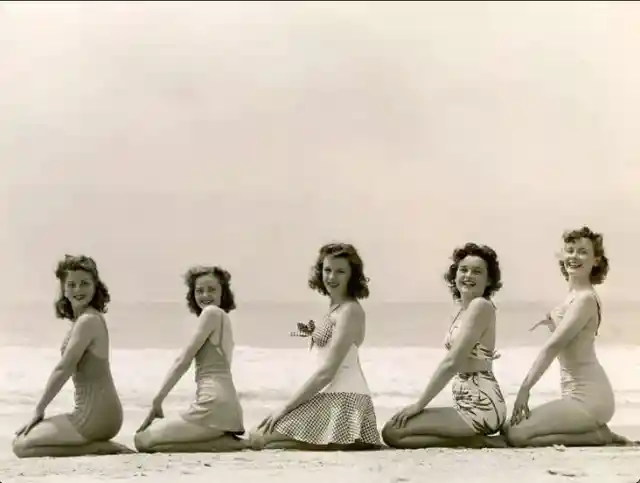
(472, 277)
(579, 258)
(336, 272)
(207, 291)
(79, 289)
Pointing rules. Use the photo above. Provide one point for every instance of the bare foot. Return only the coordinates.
(611, 438)
(111, 447)
(622, 440)
(497, 441)
(256, 440)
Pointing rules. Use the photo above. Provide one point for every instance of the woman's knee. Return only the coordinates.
(20, 446)
(390, 434)
(516, 437)
(142, 442)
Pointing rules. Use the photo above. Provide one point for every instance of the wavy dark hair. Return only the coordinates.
(227, 299)
(358, 285)
(601, 268)
(489, 256)
(71, 263)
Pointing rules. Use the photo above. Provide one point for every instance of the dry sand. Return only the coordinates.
(601, 465)
(584, 465)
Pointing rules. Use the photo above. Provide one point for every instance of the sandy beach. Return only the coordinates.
(610, 465)
(601, 465)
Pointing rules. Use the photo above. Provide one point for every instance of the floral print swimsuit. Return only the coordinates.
(476, 395)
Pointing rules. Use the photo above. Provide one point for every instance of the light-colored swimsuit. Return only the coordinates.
(216, 403)
(476, 395)
(342, 412)
(97, 413)
(582, 378)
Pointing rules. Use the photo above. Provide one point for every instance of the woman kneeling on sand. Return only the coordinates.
(479, 407)
(97, 416)
(214, 420)
(580, 417)
(333, 410)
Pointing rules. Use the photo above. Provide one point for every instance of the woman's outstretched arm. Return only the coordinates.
(82, 334)
(344, 335)
(209, 321)
(574, 320)
(474, 323)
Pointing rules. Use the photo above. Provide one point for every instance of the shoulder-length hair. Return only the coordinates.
(227, 299)
(71, 263)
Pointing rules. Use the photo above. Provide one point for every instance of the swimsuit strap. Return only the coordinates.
(450, 331)
(218, 346)
(331, 311)
(599, 311)
(454, 319)
(599, 308)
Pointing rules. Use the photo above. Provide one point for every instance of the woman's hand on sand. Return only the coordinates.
(399, 420)
(548, 322)
(268, 424)
(520, 407)
(155, 413)
(38, 416)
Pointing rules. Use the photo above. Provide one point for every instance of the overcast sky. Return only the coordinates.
(155, 136)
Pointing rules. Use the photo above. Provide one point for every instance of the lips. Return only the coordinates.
(333, 285)
(573, 264)
(468, 284)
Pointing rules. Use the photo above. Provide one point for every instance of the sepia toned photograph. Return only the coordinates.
(313, 241)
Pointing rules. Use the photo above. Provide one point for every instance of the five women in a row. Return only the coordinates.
(333, 410)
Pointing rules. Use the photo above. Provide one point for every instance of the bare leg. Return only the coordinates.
(180, 436)
(56, 437)
(259, 440)
(436, 427)
(97, 448)
(564, 422)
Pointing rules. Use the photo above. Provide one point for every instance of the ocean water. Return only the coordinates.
(403, 347)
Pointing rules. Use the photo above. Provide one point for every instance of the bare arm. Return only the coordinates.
(210, 320)
(574, 320)
(548, 322)
(344, 335)
(82, 334)
(477, 319)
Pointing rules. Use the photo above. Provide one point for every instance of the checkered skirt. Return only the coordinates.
(332, 418)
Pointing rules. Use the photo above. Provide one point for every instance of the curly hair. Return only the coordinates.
(71, 263)
(601, 268)
(490, 258)
(227, 299)
(358, 285)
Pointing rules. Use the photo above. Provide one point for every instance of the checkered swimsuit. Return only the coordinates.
(331, 417)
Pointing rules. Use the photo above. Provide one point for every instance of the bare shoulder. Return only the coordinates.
(353, 310)
(212, 316)
(212, 311)
(350, 316)
(89, 321)
(482, 306)
(481, 311)
(89, 326)
(586, 300)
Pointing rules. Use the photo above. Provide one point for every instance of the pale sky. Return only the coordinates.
(156, 136)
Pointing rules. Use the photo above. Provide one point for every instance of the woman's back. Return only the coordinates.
(580, 351)
(97, 413)
(483, 352)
